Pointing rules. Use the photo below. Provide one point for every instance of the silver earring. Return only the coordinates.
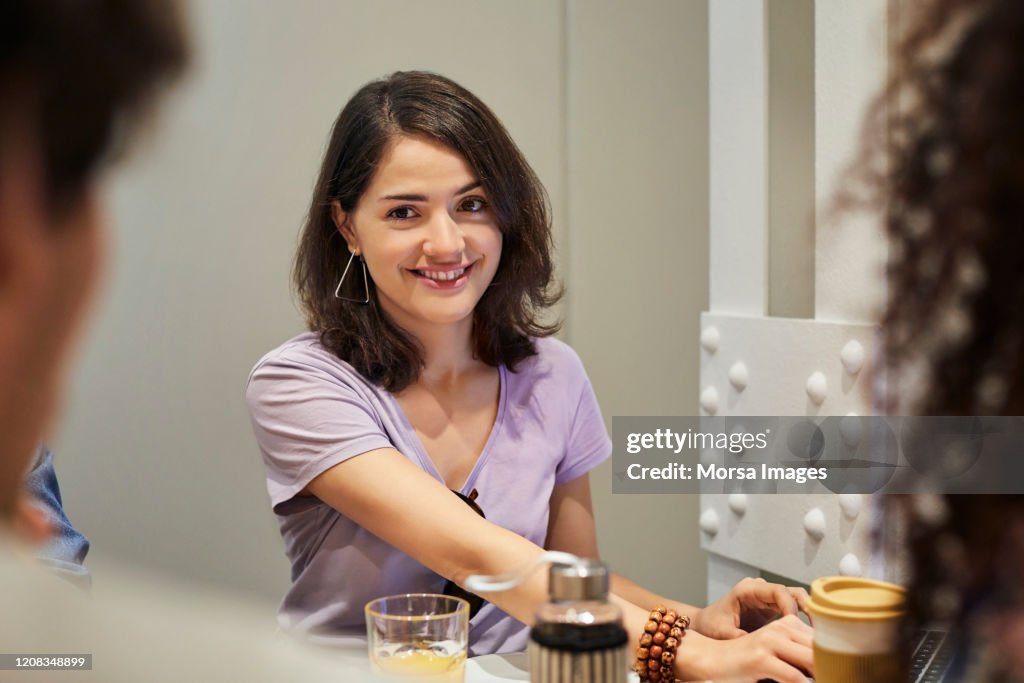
(366, 283)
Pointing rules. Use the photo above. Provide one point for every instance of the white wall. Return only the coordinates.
(155, 452)
(638, 212)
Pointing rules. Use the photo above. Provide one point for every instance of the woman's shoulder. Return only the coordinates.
(305, 354)
(554, 358)
(555, 351)
(302, 347)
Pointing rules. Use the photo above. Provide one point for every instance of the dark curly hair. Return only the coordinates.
(508, 315)
(943, 160)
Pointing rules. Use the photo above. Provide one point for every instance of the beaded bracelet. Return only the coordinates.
(657, 651)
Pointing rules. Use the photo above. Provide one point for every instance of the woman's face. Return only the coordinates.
(426, 231)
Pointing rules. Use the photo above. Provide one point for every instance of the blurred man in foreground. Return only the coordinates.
(76, 77)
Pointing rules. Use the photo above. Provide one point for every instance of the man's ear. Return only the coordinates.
(344, 226)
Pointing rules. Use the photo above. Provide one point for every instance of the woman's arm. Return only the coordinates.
(383, 492)
(398, 502)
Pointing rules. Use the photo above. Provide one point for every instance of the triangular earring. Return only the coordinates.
(366, 283)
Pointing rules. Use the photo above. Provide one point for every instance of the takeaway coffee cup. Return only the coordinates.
(855, 630)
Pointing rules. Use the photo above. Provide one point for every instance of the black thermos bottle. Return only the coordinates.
(578, 636)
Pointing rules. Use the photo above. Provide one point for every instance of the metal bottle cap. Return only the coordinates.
(587, 580)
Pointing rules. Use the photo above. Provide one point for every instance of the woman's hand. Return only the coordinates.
(750, 604)
(780, 651)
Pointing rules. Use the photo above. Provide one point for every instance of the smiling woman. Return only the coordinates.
(423, 268)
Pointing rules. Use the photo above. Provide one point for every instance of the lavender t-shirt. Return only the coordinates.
(311, 411)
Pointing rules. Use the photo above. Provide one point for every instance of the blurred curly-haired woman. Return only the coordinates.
(944, 160)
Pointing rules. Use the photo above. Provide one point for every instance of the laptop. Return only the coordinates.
(933, 656)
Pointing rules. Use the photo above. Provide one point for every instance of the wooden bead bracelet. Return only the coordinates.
(657, 652)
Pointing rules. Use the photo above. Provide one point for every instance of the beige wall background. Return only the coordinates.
(609, 104)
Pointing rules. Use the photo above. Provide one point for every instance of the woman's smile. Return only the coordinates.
(444, 278)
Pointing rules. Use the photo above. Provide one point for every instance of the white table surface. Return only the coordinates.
(353, 661)
(482, 669)
(491, 668)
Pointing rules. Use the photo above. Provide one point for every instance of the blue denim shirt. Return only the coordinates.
(67, 549)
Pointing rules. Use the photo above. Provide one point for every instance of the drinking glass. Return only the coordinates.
(419, 635)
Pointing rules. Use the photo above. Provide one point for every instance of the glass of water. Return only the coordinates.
(419, 635)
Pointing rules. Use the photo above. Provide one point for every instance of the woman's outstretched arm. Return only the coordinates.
(395, 500)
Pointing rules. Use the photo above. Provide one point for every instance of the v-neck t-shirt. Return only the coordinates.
(311, 411)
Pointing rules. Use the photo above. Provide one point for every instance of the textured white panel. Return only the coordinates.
(738, 156)
(850, 65)
(771, 534)
(780, 354)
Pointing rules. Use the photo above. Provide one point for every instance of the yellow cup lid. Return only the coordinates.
(855, 599)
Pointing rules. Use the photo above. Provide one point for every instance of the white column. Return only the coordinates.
(738, 156)
(850, 68)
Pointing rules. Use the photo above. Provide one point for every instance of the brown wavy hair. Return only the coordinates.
(418, 103)
(943, 160)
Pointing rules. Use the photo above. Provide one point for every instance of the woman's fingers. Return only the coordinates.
(796, 630)
(785, 601)
(801, 597)
(797, 654)
(780, 651)
(782, 672)
(788, 641)
(759, 593)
